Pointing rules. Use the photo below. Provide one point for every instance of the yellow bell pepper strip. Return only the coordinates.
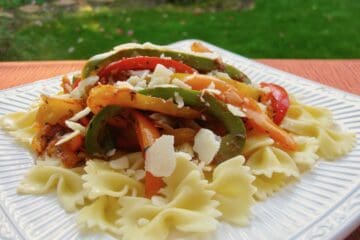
(104, 95)
(277, 100)
(258, 119)
(147, 133)
(55, 110)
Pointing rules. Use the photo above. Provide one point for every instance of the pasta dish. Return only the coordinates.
(149, 140)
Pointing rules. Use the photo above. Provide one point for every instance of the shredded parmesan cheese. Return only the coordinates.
(179, 100)
(81, 114)
(111, 152)
(161, 75)
(67, 137)
(236, 111)
(80, 90)
(160, 157)
(122, 84)
(180, 84)
(206, 145)
(218, 74)
(120, 163)
(75, 126)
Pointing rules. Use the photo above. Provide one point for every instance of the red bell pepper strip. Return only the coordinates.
(147, 133)
(257, 119)
(277, 99)
(76, 82)
(143, 63)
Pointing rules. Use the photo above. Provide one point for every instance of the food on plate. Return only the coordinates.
(148, 140)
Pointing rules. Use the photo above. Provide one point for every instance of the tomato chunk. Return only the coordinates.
(277, 99)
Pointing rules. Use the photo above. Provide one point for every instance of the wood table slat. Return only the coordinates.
(341, 74)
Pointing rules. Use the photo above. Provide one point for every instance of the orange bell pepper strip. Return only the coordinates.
(147, 133)
(104, 95)
(258, 119)
(246, 89)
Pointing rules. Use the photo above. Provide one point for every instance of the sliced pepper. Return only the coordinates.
(246, 89)
(53, 110)
(147, 133)
(279, 101)
(98, 139)
(143, 63)
(104, 95)
(233, 142)
(200, 63)
(258, 119)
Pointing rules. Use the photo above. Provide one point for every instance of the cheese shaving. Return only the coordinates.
(75, 126)
(122, 84)
(161, 75)
(80, 90)
(180, 84)
(206, 145)
(111, 152)
(179, 100)
(120, 163)
(160, 157)
(67, 137)
(236, 111)
(81, 114)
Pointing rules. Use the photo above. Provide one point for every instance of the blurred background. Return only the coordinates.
(78, 29)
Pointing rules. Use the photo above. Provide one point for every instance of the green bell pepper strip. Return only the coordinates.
(98, 138)
(200, 63)
(232, 143)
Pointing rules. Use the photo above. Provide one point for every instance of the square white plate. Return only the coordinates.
(323, 204)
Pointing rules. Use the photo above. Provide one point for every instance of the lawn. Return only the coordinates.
(272, 29)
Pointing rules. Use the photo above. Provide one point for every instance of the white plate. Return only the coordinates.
(323, 204)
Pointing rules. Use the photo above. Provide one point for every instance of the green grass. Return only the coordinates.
(273, 29)
(9, 4)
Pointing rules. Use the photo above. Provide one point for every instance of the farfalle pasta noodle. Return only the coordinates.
(315, 122)
(101, 180)
(188, 206)
(21, 125)
(101, 214)
(306, 156)
(67, 183)
(92, 139)
(267, 186)
(234, 201)
(266, 159)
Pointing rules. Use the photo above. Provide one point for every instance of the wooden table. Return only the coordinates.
(341, 74)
